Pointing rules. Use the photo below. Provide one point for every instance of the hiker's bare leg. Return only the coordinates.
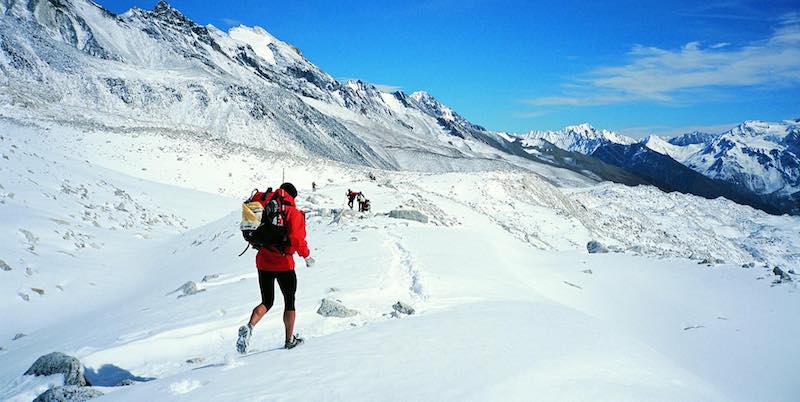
(258, 313)
(288, 323)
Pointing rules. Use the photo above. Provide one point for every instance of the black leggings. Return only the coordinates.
(287, 281)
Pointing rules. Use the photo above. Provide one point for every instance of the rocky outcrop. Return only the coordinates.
(403, 308)
(59, 363)
(595, 247)
(782, 275)
(70, 393)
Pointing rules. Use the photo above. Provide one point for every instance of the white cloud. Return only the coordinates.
(676, 76)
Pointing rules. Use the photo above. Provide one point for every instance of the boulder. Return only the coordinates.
(18, 335)
(70, 393)
(784, 277)
(4, 266)
(334, 308)
(595, 247)
(403, 308)
(59, 363)
(408, 214)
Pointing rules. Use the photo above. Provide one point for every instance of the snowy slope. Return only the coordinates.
(509, 304)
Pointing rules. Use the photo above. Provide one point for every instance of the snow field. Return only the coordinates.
(508, 302)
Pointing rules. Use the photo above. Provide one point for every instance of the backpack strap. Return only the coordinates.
(252, 194)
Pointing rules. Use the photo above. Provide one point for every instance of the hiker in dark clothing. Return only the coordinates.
(351, 196)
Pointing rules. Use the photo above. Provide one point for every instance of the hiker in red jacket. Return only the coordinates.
(278, 264)
(351, 195)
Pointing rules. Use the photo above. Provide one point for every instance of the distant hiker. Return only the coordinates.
(360, 198)
(314, 186)
(282, 233)
(351, 195)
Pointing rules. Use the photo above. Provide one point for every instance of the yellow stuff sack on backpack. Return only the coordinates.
(251, 215)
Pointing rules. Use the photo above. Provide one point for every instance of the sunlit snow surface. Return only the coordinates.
(509, 304)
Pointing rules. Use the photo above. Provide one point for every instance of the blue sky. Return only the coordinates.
(638, 67)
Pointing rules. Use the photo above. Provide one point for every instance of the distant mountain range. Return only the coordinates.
(756, 163)
(71, 61)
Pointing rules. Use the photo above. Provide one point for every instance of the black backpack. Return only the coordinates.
(265, 226)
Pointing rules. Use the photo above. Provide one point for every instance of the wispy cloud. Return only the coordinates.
(388, 88)
(678, 75)
(231, 22)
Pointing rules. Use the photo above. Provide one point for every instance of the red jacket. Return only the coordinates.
(271, 260)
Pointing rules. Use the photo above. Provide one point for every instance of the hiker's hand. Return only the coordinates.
(310, 262)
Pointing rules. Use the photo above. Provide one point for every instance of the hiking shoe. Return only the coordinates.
(293, 342)
(244, 339)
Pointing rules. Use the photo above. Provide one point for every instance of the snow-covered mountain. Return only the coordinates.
(761, 156)
(581, 138)
(756, 163)
(72, 61)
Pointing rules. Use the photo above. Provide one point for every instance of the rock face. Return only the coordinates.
(334, 308)
(403, 308)
(408, 214)
(595, 247)
(70, 393)
(59, 363)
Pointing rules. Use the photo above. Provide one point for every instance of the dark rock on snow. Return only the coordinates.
(403, 308)
(595, 247)
(784, 277)
(70, 393)
(59, 363)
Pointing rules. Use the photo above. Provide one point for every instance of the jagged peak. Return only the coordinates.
(422, 95)
(165, 11)
(580, 127)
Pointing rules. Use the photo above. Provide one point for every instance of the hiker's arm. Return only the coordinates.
(297, 234)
